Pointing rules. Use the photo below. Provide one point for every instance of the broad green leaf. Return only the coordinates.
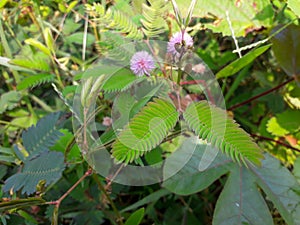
(190, 179)
(286, 47)
(9, 100)
(281, 187)
(35, 80)
(136, 217)
(212, 124)
(77, 38)
(21, 203)
(48, 166)
(240, 201)
(118, 81)
(295, 6)
(39, 45)
(145, 131)
(240, 63)
(284, 123)
(242, 14)
(73, 154)
(151, 198)
(39, 138)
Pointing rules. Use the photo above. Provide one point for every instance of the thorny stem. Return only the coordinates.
(277, 142)
(260, 95)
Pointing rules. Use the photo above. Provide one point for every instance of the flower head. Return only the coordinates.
(176, 40)
(142, 63)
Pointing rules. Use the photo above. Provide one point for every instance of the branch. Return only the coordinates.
(260, 95)
(277, 142)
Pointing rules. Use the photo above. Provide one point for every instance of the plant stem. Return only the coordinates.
(260, 95)
(277, 142)
(102, 188)
(58, 202)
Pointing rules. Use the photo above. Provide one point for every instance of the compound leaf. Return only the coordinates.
(46, 167)
(145, 131)
(212, 124)
(39, 138)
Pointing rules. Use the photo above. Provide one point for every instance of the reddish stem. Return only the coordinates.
(277, 142)
(260, 95)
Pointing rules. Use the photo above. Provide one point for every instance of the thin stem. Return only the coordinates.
(277, 142)
(260, 95)
(58, 202)
(102, 188)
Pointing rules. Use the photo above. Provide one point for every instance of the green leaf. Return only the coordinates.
(154, 17)
(5, 62)
(242, 14)
(114, 19)
(74, 155)
(281, 187)
(284, 123)
(240, 201)
(295, 6)
(39, 45)
(35, 80)
(119, 81)
(2, 3)
(21, 203)
(240, 63)
(189, 179)
(38, 61)
(136, 217)
(9, 100)
(212, 124)
(145, 131)
(286, 47)
(77, 38)
(7, 155)
(151, 198)
(47, 166)
(39, 138)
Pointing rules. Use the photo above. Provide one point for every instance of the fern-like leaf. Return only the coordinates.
(35, 80)
(114, 19)
(212, 124)
(154, 17)
(48, 167)
(38, 139)
(145, 131)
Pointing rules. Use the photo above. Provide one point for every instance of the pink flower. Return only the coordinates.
(142, 63)
(176, 40)
(107, 121)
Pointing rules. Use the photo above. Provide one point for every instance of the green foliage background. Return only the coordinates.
(46, 48)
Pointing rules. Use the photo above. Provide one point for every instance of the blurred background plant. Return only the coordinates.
(46, 46)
